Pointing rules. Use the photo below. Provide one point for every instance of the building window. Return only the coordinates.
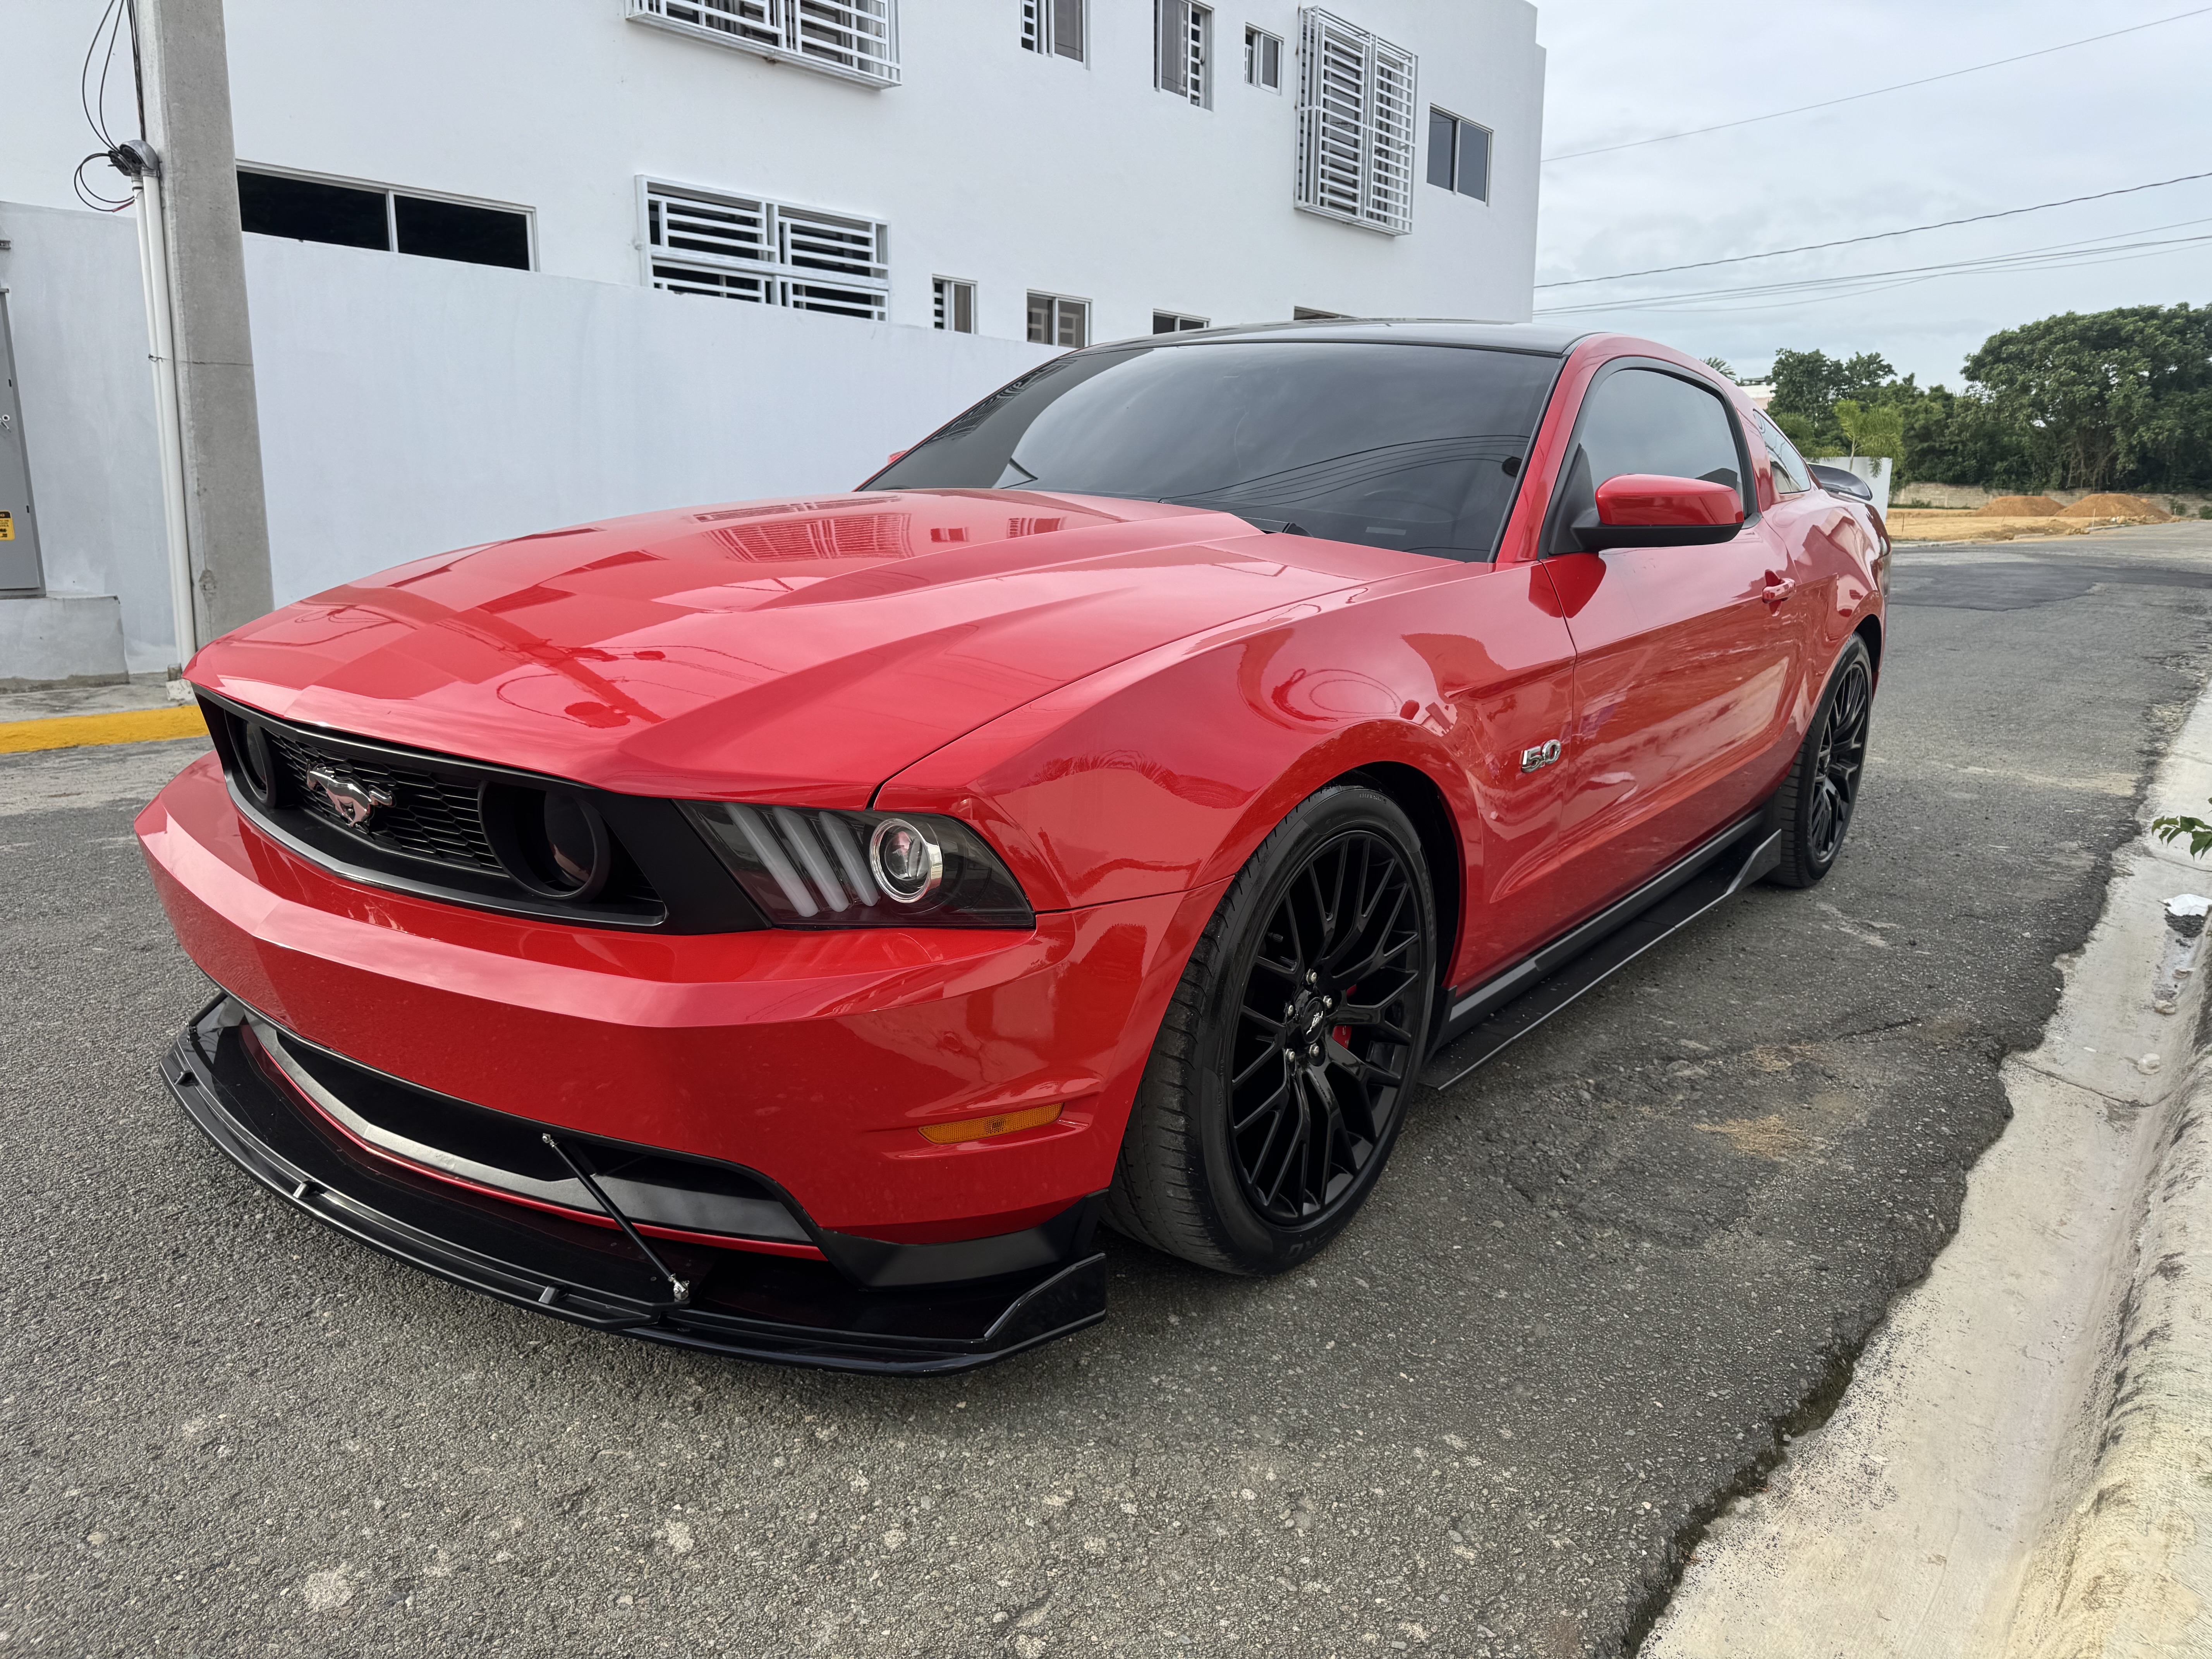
(1355, 125)
(1183, 35)
(1055, 320)
(852, 40)
(1308, 314)
(1263, 59)
(1174, 322)
(1459, 154)
(1054, 27)
(740, 247)
(956, 305)
(373, 217)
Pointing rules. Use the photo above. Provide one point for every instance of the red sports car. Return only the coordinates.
(789, 929)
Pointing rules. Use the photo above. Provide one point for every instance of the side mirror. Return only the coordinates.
(1642, 509)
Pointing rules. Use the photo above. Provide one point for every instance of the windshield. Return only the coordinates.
(1417, 447)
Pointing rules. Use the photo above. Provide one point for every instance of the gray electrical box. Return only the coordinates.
(19, 527)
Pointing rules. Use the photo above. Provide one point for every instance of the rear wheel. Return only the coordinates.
(1283, 1068)
(1814, 810)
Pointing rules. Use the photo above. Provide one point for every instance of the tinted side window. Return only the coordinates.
(1791, 475)
(1639, 419)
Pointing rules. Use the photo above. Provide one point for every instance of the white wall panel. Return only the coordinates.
(408, 406)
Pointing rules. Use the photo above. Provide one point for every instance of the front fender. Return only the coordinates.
(1165, 773)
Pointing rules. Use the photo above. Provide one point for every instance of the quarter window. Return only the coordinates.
(954, 304)
(1459, 154)
(744, 248)
(1645, 420)
(1053, 28)
(1356, 118)
(1263, 59)
(1054, 319)
(1183, 34)
(1791, 476)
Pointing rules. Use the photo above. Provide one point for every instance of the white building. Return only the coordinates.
(871, 178)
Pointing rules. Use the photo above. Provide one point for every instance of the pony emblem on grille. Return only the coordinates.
(355, 802)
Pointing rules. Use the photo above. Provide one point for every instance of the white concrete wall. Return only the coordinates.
(988, 162)
(80, 325)
(410, 406)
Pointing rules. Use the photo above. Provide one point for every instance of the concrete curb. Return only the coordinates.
(86, 731)
(2020, 1466)
(2128, 1569)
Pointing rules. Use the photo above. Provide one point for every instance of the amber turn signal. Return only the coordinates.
(978, 1128)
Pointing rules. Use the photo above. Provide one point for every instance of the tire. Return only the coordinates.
(1209, 1169)
(1813, 810)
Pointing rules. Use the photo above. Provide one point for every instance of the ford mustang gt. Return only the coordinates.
(792, 928)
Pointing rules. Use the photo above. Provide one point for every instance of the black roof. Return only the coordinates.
(1401, 330)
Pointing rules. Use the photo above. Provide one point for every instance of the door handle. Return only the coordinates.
(1778, 588)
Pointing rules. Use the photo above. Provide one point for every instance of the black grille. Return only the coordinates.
(430, 818)
(459, 830)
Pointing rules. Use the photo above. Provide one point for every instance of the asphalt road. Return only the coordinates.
(1604, 1274)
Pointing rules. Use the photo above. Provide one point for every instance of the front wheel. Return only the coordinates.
(1286, 1059)
(1813, 811)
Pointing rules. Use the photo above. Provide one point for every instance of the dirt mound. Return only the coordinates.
(2116, 506)
(2020, 507)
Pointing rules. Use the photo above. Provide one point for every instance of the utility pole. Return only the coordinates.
(186, 179)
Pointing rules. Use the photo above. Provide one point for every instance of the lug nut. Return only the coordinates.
(1312, 977)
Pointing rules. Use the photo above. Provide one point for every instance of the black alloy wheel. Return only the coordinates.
(1814, 809)
(1322, 1053)
(1284, 1068)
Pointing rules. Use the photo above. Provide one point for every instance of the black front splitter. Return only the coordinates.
(778, 1308)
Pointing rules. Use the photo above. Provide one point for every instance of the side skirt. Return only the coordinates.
(1484, 1019)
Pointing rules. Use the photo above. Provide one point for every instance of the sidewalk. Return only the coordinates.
(2022, 1464)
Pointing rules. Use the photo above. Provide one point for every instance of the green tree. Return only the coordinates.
(2113, 399)
(1872, 428)
(1951, 438)
(1720, 367)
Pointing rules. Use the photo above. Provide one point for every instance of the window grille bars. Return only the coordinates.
(1183, 33)
(1054, 27)
(738, 247)
(853, 40)
(1356, 102)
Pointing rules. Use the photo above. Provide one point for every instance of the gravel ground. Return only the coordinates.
(1604, 1275)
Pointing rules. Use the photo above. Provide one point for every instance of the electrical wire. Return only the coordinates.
(92, 98)
(1871, 282)
(1877, 235)
(1852, 98)
(2087, 244)
(2090, 251)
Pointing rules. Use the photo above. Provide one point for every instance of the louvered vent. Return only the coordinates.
(854, 39)
(741, 247)
(847, 535)
(1356, 102)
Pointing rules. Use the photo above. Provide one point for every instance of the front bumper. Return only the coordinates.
(744, 1303)
(815, 1059)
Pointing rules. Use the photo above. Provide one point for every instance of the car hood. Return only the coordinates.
(799, 651)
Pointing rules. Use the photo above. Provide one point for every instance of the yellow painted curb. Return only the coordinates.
(82, 731)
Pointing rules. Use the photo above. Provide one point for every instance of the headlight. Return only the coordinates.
(817, 867)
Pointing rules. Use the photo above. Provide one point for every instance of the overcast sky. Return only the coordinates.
(2094, 118)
